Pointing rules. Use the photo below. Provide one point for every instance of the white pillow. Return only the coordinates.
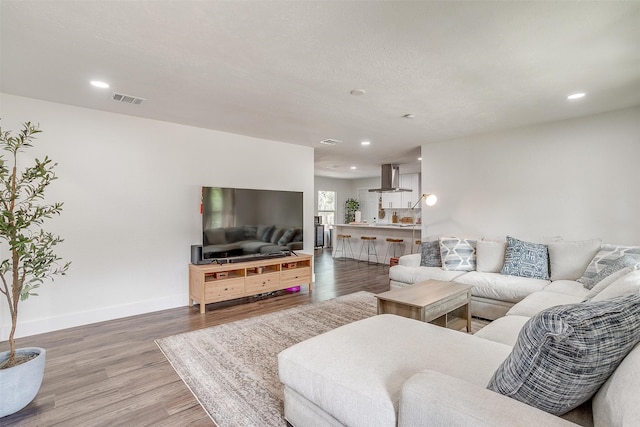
(604, 283)
(490, 256)
(569, 260)
(626, 285)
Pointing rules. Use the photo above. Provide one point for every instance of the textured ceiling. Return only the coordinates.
(284, 70)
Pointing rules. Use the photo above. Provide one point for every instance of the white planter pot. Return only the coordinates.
(19, 385)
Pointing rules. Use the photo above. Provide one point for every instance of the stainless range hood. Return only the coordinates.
(390, 181)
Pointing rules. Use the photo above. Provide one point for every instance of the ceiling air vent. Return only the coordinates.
(127, 99)
(330, 141)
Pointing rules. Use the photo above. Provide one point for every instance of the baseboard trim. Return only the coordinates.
(50, 324)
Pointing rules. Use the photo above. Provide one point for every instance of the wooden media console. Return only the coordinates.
(215, 283)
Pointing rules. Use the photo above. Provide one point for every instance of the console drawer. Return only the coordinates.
(224, 289)
(262, 282)
(295, 276)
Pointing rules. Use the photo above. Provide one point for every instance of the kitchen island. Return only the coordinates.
(381, 232)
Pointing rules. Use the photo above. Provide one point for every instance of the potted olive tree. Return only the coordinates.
(27, 258)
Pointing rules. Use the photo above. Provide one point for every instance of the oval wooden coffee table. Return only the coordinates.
(442, 303)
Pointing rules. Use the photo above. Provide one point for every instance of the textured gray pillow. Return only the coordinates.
(526, 259)
(565, 353)
(430, 254)
(618, 264)
(606, 256)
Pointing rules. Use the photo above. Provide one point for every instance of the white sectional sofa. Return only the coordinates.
(392, 371)
(493, 293)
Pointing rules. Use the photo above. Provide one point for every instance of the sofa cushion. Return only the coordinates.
(565, 353)
(538, 301)
(411, 260)
(458, 254)
(356, 372)
(628, 284)
(430, 254)
(234, 234)
(616, 403)
(526, 259)
(606, 256)
(567, 287)
(490, 256)
(499, 287)
(402, 273)
(215, 236)
(504, 330)
(568, 260)
(609, 269)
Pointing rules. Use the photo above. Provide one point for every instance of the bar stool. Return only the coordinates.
(368, 242)
(392, 246)
(344, 240)
(418, 248)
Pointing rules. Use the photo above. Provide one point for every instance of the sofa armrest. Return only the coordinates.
(432, 398)
(411, 260)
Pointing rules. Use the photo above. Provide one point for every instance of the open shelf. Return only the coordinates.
(214, 283)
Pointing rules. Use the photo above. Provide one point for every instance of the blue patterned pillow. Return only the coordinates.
(525, 259)
(430, 254)
(457, 254)
(565, 353)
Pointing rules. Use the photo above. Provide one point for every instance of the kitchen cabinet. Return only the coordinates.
(392, 200)
(403, 199)
(411, 181)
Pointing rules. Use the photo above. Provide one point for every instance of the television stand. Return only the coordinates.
(215, 283)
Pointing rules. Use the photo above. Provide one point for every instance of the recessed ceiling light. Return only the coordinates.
(358, 92)
(576, 95)
(420, 158)
(98, 83)
(353, 168)
(365, 143)
(409, 116)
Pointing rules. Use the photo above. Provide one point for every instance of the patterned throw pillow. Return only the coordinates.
(607, 255)
(618, 264)
(430, 254)
(525, 259)
(457, 254)
(565, 353)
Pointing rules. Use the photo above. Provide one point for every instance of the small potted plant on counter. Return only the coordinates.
(27, 259)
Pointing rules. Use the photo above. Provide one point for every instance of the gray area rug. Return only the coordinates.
(232, 369)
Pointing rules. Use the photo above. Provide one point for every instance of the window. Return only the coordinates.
(327, 206)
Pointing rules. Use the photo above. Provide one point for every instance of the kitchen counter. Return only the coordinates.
(406, 232)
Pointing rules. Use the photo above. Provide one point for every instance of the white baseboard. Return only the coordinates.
(40, 326)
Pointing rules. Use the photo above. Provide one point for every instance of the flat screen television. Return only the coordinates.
(239, 222)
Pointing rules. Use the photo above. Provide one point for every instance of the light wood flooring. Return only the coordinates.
(113, 374)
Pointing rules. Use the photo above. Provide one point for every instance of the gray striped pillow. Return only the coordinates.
(565, 353)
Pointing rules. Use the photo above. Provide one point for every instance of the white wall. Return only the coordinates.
(131, 192)
(575, 178)
(343, 188)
